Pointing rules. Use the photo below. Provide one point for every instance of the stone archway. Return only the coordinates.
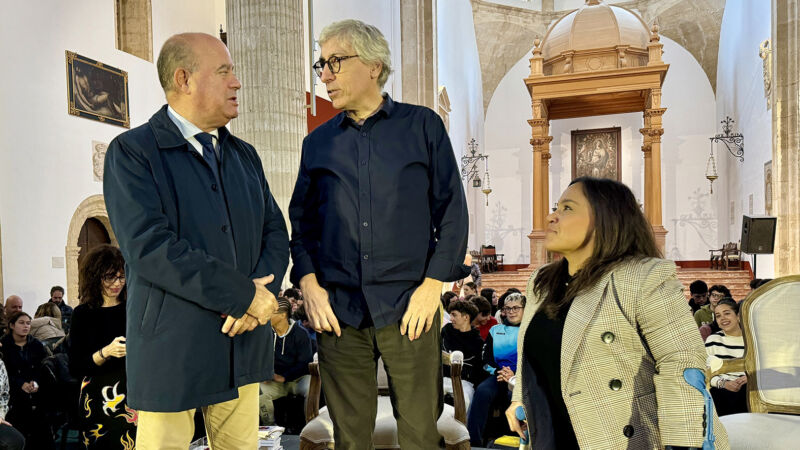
(92, 207)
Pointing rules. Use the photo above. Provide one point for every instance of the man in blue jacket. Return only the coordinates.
(379, 221)
(206, 249)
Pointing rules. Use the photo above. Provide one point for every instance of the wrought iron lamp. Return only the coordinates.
(734, 142)
(711, 168)
(469, 168)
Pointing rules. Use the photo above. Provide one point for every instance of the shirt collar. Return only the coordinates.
(187, 129)
(386, 109)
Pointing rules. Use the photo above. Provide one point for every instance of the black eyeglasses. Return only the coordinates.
(111, 279)
(334, 64)
(511, 309)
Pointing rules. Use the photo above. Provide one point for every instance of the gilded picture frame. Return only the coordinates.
(97, 91)
(597, 153)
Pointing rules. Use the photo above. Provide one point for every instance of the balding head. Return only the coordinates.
(178, 52)
(13, 305)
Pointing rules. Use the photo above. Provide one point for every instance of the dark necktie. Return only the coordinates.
(209, 154)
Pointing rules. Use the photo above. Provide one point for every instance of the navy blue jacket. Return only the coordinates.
(162, 200)
(376, 209)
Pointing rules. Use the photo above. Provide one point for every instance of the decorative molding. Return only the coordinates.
(765, 53)
(98, 159)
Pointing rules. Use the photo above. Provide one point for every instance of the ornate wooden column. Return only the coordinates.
(540, 140)
(786, 134)
(652, 164)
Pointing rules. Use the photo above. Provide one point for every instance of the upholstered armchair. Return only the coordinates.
(318, 432)
(770, 318)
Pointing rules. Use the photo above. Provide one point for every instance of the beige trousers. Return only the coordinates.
(231, 425)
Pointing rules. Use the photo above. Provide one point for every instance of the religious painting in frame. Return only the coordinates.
(597, 153)
(768, 188)
(97, 91)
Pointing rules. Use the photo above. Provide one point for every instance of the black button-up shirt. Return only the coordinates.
(376, 209)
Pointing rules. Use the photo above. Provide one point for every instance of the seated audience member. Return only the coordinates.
(469, 288)
(13, 305)
(23, 356)
(295, 298)
(475, 273)
(729, 390)
(458, 335)
(763, 282)
(98, 349)
(292, 356)
(10, 438)
(46, 324)
(501, 301)
(698, 291)
(491, 295)
(705, 315)
(500, 362)
(484, 321)
(301, 319)
(754, 283)
(57, 298)
(447, 298)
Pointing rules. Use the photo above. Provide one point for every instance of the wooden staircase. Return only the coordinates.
(738, 281)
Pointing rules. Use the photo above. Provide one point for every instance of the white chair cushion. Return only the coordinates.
(320, 430)
(756, 431)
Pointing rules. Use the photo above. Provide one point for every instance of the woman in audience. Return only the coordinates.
(499, 315)
(97, 351)
(447, 298)
(628, 372)
(23, 355)
(458, 335)
(491, 295)
(500, 362)
(729, 390)
(46, 325)
(10, 438)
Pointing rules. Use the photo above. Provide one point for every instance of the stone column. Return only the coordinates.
(418, 52)
(540, 140)
(266, 42)
(786, 135)
(652, 175)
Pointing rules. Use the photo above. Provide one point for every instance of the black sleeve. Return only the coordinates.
(82, 344)
(489, 364)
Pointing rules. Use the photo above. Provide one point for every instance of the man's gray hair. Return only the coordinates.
(367, 42)
(176, 52)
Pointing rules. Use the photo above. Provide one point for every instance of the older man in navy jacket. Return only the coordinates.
(206, 249)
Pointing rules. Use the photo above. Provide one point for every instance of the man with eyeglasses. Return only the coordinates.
(379, 222)
(206, 248)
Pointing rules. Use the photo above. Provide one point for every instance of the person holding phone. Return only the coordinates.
(97, 351)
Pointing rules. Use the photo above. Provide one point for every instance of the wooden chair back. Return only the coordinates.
(770, 321)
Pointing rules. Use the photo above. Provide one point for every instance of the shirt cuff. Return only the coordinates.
(443, 270)
(300, 268)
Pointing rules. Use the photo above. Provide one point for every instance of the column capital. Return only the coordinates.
(541, 141)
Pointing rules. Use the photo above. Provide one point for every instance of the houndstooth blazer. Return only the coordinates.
(626, 343)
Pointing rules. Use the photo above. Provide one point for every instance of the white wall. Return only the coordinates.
(690, 213)
(459, 72)
(740, 95)
(45, 155)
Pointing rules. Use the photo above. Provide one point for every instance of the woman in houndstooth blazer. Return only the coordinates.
(607, 336)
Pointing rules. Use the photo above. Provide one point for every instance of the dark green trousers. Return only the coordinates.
(348, 367)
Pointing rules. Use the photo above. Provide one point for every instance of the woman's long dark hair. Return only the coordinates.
(103, 260)
(621, 232)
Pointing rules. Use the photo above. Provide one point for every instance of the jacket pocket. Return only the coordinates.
(646, 433)
(152, 310)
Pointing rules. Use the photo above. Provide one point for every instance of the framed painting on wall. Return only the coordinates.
(597, 153)
(768, 188)
(97, 91)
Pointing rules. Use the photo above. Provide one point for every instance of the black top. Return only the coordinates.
(470, 344)
(376, 209)
(542, 347)
(93, 329)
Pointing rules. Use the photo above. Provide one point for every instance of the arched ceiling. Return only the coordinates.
(505, 34)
